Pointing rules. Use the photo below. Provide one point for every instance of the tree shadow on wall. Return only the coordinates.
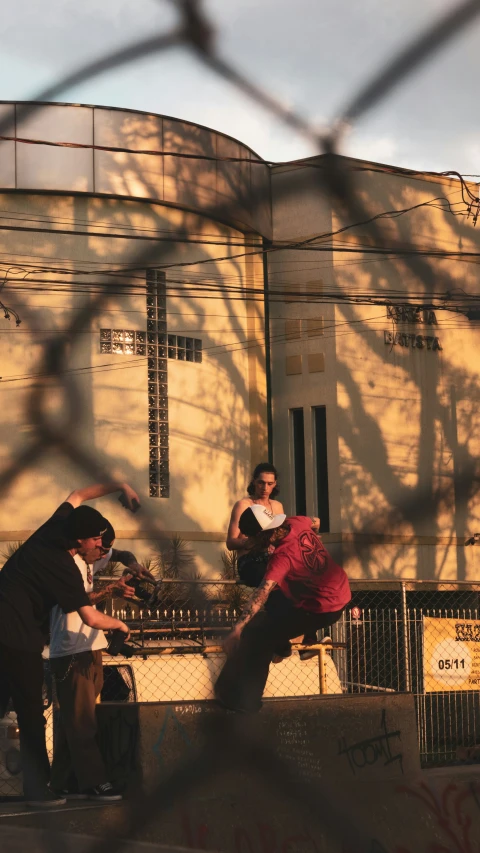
(417, 449)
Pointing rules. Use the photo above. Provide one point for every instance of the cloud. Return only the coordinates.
(380, 149)
(314, 56)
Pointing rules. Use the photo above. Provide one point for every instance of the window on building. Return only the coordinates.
(122, 342)
(184, 349)
(152, 344)
(321, 469)
(298, 438)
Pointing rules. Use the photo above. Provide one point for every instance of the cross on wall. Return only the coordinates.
(158, 346)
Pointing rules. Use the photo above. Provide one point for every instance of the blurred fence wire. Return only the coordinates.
(196, 32)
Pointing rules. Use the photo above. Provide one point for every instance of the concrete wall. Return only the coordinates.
(403, 430)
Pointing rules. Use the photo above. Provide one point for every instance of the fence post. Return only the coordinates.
(322, 673)
(406, 639)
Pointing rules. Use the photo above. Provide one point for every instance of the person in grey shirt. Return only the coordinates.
(78, 769)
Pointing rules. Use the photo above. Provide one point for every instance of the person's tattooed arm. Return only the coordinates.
(118, 588)
(255, 602)
(253, 605)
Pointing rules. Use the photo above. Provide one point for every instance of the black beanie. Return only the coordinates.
(109, 536)
(85, 522)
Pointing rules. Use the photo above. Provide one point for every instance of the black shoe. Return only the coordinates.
(308, 653)
(282, 653)
(70, 794)
(47, 800)
(104, 793)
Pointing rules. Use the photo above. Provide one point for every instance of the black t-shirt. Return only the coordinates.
(39, 575)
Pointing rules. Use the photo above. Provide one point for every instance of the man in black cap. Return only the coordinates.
(41, 574)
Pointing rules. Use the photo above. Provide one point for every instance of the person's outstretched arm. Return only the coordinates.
(118, 588)
(99, 490)
(95, 619)
(253, 605)
(133, 567)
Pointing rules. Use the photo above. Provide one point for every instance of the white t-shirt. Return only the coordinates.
(68, 634)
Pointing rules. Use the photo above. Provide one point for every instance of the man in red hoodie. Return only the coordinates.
(303, 590)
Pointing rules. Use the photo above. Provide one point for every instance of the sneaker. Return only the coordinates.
(307, 654)
(71, 795)
(104, 793)
(48, 800)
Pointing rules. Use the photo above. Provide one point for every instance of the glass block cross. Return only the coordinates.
(158, 466)
(158, 346)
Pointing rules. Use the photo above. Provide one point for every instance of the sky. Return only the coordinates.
(313, 55)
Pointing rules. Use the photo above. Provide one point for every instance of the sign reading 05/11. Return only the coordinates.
(411, 315)
(451, 654)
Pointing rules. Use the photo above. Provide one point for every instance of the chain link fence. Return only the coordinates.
(418, 637)
(380, 644)
(174, 652)
(395, 636)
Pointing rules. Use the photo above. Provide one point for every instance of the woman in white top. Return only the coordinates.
(251, 561)
(262, 491)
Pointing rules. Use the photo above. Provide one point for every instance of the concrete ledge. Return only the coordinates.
(349, 738)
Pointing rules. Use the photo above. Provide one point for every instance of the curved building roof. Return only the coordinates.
(73, 148)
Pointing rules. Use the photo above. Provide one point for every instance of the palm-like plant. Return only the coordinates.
(113, 569)
(235, 595)
(173, 559)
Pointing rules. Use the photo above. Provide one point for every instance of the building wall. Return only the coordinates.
(163, 196)
(210, 426)
(403, 429)
(301, 328)
(156, 157)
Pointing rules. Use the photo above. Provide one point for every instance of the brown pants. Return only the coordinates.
(77, 761)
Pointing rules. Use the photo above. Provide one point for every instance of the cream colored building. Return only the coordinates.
(395, 391)
(154, 390)
(207, 350)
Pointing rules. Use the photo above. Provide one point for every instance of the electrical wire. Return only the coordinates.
(111, 366)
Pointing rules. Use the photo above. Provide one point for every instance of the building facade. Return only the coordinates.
(205, 316)
(376, 405)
